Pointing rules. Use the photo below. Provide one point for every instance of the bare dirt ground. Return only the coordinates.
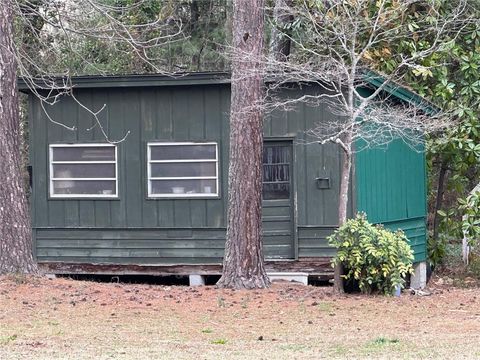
(67, 319)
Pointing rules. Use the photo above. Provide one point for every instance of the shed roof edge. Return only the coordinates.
(139, 80)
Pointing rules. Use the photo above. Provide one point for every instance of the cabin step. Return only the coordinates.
(300, 277)
(196, 280)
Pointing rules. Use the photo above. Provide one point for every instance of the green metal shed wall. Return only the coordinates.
(391, 189)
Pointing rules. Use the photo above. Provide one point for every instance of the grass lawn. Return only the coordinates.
(67, 319)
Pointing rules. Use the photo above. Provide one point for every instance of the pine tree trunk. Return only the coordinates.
(243, 266)
(15, 231)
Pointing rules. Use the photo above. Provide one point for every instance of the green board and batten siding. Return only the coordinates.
(391, 189)
(135, 230)
(132, 228)
(315, 209)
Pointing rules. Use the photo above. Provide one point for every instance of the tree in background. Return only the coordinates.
(243, 265)
(335, 43)
(280, 43)
(155, 35)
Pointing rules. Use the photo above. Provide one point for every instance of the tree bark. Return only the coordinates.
(343, 204)
(15, 231)
(280, 42)
(243, 265)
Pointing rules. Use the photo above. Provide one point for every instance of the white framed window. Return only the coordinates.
(83, 171)
(182, 170)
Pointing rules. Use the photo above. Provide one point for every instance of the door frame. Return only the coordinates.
(290, 140)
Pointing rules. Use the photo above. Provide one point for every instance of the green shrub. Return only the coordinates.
(377, 258)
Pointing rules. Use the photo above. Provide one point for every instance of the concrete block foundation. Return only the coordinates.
(418, 280)
(196, 280)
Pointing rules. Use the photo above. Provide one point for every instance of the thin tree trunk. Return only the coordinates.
(15, 231)
(344, 186)
(228, 21)
(465, 244)
(194, 15)
(280, 42)
(343, 204)
(439, 200)
(243, 265)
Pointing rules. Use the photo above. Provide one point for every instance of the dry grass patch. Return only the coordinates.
(66, 319)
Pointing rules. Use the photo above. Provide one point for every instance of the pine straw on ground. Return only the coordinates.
(67, 319)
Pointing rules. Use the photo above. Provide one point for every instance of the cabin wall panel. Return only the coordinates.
(84, 230)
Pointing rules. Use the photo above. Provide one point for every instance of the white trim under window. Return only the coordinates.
(182, 169)
(85, 170)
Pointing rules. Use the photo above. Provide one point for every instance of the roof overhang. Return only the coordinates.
(124, 81)
(401, 92)
(371, 78)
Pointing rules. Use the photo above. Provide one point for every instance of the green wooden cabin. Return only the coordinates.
(156, 202)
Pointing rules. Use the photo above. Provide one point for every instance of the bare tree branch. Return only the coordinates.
(47, 29)
(335, 47)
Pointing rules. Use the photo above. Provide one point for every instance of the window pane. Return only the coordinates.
(183, 152)
(90, 153)
(84, 170)
(276, 191)
(275, 154)
(180, 187)
(84, 187)
(274, 173)
(183, 169)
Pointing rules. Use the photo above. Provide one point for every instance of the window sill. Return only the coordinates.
(74, 197)
(177, 197)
